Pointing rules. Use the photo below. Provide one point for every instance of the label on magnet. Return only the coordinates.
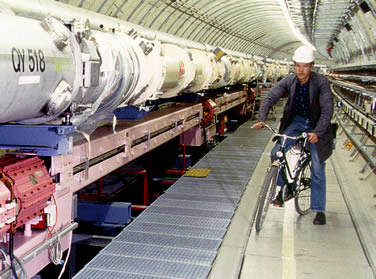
(29, 79)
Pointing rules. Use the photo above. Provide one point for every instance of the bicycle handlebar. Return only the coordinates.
(304, 135)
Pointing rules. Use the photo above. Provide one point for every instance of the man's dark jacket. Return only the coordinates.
(320, 109)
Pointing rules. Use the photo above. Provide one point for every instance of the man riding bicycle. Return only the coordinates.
(309, 108)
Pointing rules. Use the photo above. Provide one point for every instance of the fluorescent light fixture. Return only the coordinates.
(292, 25)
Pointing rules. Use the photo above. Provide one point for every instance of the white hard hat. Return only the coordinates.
(303, 54)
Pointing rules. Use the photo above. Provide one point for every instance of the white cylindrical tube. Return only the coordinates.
(179, 70)
(204, 71)
(227, 73)
(42, 69)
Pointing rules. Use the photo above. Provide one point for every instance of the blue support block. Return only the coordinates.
(130, 113)
(45, 140)
(113, 213)
(179, 161)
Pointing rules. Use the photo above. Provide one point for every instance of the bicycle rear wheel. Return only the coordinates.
(267, 195)
(303, 197)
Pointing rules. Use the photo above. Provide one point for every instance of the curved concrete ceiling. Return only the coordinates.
(343, 32)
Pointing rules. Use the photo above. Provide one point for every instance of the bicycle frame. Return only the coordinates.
(282, 161)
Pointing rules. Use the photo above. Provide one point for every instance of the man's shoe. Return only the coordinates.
(287, 193)
(320, 219)
(278, 200)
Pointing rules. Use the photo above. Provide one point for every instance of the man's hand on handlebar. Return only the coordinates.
(258, 125)
(313, 138)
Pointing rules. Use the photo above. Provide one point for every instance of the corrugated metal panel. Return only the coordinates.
(163, 201)
(177, 230)
(150, 267)
(186, 220)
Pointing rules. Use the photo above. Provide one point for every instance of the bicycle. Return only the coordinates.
(295, 166)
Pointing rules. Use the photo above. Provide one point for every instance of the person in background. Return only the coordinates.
(309, 108)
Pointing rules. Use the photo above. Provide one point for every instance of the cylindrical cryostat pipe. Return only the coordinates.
(41, 69)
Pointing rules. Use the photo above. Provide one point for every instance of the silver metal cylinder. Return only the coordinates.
(40, 69)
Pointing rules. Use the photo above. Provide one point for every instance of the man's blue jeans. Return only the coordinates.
(318, 179)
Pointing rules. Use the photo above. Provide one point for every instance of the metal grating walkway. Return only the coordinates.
(179, 235)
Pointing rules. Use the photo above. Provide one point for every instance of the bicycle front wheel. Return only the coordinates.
(266, 197)
(303, 197)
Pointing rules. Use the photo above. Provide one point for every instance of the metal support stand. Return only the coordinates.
(43, 140)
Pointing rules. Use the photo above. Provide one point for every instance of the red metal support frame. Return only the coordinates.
(146, 186)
